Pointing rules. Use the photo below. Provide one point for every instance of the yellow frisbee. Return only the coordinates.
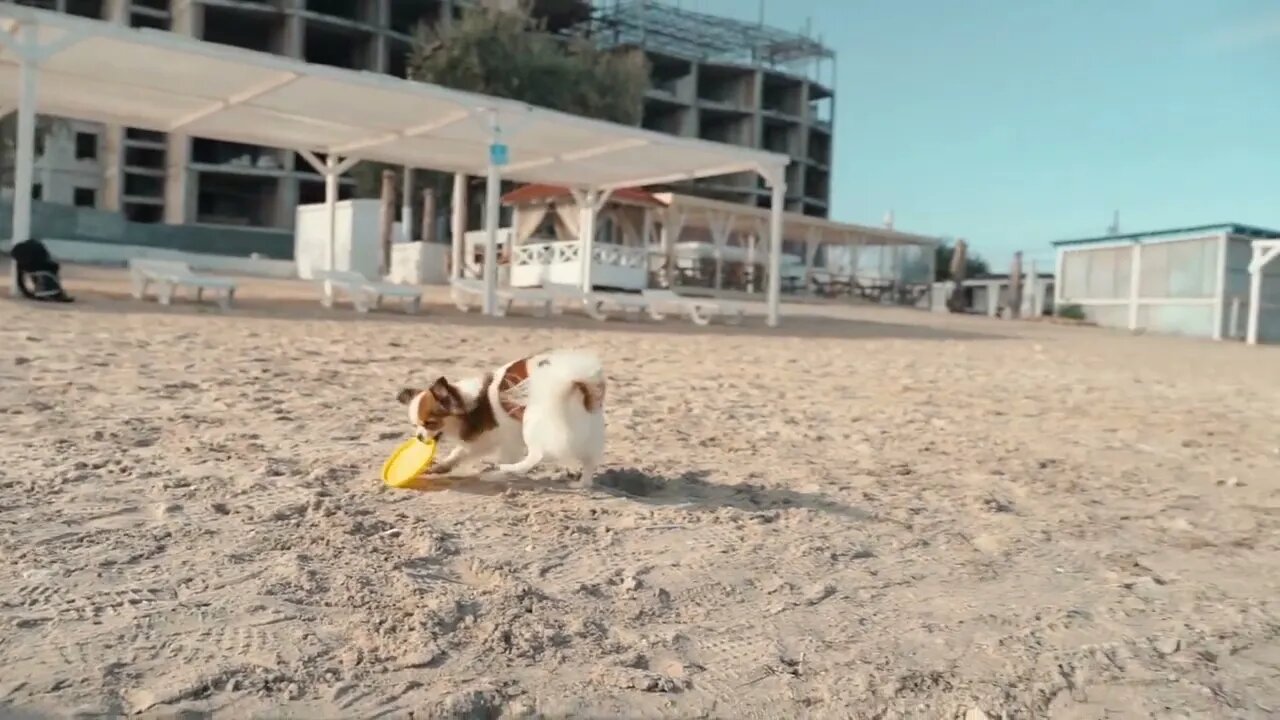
(408, 462)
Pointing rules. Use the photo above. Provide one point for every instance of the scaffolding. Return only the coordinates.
(670, 29)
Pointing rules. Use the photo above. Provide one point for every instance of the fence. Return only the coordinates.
(67, 222)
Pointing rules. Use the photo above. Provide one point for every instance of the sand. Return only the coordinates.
(872, 513)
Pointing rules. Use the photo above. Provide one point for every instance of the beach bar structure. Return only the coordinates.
(92, 70)
(546, 233)
(703, 247)
(828, 258)
(989, 294)
(1210, 281)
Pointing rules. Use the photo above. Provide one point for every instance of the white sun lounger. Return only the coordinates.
(571, 296)
(700, 311)
(598, 304)
(465, 290)
(168, 275)
(364, 293)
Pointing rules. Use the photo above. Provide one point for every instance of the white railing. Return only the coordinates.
(547, 253)
(559, 262)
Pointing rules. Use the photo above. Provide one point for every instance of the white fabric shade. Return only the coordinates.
(162, 81)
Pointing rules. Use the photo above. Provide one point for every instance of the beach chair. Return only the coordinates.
(571, 296)
(597, 304)
(465, 290)
(700, 311)
(365, 294)
(169, 275)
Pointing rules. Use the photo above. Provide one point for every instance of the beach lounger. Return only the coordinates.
(365, 294)
(464, 291)
(700, 311)
(599, 303)
(571, 296)
(168, 275)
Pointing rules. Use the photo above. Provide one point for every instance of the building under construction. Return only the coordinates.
(736, 82)
(713, 78)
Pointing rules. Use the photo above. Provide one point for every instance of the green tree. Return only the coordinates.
(509, 54)
(974, 264)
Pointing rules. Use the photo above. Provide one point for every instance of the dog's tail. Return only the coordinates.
(592, 394)
(577, 375)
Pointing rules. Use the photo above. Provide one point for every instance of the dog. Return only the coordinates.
(545, 407)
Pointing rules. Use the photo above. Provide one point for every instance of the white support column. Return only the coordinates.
(458, 225)
(331, 169)
(646, 243)
(406, 206)
(672, 225)
(25, 158)
(492, 190)
(1135, 284)
(720, 226)
(1220, 292)
(331, 208)
(492, 204)
(812, 242)
(1033, 291)
(334, 167)
(1058, 275)
(1255, 295)
(586, 234)
(589, 205)
(753, 239)
(778, 193)
(1264, 252)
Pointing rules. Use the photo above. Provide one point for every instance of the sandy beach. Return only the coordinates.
(868, 513)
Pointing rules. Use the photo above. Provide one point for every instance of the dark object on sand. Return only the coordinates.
(37, 272)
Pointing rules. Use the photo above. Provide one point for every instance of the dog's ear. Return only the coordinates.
(446, 397)
(406, 395)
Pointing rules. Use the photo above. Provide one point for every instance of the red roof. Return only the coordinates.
(534, 192)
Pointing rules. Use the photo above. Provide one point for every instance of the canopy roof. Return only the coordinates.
(699, 212)
(1248, 231)
(535, 193)
(99, 71)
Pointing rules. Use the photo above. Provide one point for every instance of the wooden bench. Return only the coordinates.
(365, 294)
(169, 275)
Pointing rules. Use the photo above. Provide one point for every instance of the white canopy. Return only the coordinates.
(94, 70)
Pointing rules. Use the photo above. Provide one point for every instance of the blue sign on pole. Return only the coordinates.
(498, 154)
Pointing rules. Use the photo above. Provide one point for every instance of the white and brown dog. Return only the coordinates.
(543, 407)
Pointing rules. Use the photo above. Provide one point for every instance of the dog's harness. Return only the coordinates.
(512, 393)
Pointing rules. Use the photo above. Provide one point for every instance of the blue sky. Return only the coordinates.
(1012, 123)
